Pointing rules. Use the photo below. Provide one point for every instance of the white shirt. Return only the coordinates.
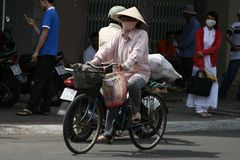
(88, 54)
(208, 39)
(107, 33)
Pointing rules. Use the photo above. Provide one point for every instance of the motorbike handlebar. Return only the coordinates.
(101, 68)
(104, 68)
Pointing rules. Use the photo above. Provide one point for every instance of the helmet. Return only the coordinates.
(114, 10)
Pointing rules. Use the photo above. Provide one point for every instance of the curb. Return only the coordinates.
(182, 126)
(39, 129)
(213, 125)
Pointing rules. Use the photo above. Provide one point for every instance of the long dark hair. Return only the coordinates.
(215, 16)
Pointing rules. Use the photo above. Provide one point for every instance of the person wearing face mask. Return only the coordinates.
(208, 40)
(129, 47)
(233, 38)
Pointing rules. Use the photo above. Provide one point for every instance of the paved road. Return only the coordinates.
(224, 145)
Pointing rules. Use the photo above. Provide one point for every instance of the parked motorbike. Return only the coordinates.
(68, 94)
(10, 79)
(10, 72)
(59, 75)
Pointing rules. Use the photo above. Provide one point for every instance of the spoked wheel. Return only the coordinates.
(82, 124)
(150, 130)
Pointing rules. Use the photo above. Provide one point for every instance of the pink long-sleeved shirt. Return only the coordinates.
(131, 50)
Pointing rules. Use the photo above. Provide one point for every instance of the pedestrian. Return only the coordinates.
(233, 38)
(45, 53)
(169, 51)
(91, 50)
(166, 47)
(208, 40)
(187, 44)
(129, 47)
(107, 33)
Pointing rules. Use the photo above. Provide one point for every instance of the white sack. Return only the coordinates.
(161, 68)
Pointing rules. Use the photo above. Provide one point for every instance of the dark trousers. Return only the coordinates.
(187, 64)
(41, 93)
(233, 68)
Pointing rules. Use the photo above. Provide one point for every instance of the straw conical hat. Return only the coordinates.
(130, 12)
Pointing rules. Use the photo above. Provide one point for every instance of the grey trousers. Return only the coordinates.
(134, 88)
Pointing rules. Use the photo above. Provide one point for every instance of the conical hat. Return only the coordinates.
(130, 12)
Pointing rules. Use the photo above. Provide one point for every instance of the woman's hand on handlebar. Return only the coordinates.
(104, 68)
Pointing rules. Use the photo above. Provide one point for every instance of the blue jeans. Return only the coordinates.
(229, 77)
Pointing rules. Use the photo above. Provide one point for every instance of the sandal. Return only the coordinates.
(208, 114)
(104, 139)
(24, 112)
(202, 115)
(43, 113)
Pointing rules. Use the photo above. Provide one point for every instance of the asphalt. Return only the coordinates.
(180, 118)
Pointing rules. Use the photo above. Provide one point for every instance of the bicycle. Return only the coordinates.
(84, 117)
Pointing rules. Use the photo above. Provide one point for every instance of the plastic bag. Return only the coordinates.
(161, 68)
(114, 89)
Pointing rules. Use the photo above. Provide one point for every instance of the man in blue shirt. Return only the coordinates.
(187, 44)
(44, 54)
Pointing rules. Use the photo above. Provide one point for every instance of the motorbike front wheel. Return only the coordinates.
(9, 92)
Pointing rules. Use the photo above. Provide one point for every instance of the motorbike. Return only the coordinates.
(59, 75)
(10, 72)
(10, 79)
(68, 94)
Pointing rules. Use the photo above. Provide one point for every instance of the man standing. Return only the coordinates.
(233, 38)
(44, 54)
(187, 44)
(91, 50)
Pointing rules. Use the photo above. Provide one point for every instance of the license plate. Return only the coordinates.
(16, 69)
(60, 69)
(68, 94)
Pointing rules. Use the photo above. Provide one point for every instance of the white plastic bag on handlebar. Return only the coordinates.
(114, 89)
(161, 68)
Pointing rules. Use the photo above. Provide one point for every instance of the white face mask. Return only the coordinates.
(129, 25)
(210, 22)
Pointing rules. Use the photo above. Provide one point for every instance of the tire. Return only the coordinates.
(153, 122)
(82, 124)
(10, 92)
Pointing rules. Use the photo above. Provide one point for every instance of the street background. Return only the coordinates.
(180, 118)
